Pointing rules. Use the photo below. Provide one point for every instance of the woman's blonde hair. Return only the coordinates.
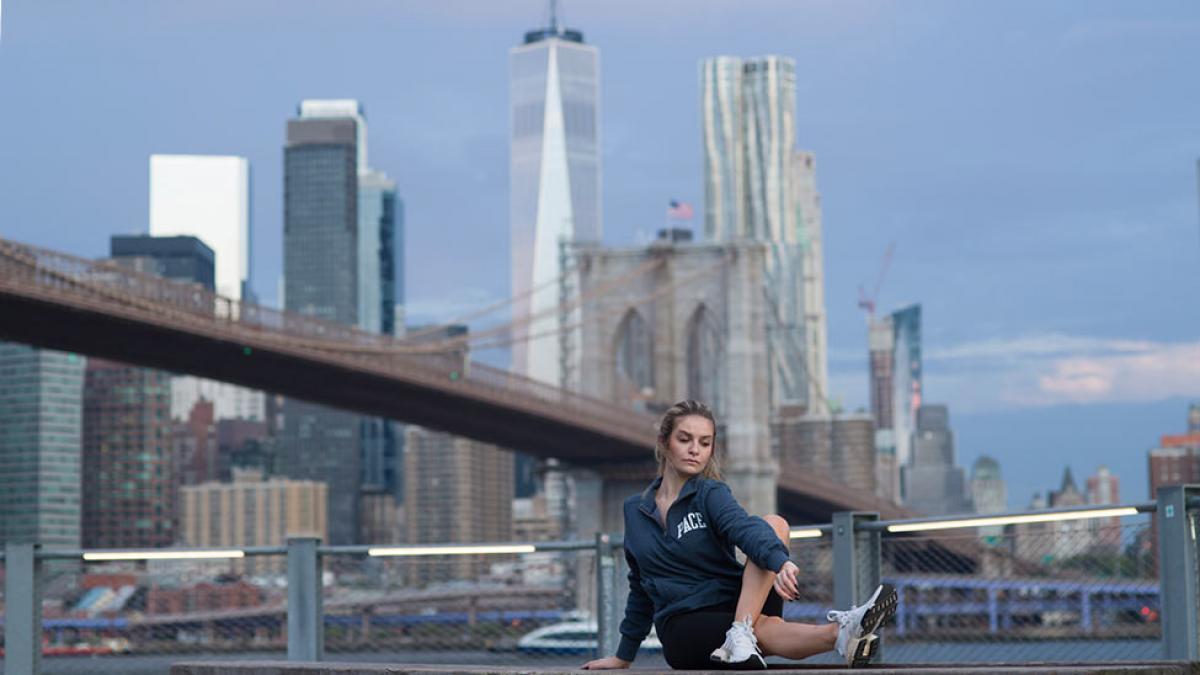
(667, 426)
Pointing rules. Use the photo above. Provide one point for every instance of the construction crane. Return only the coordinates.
(867, 302)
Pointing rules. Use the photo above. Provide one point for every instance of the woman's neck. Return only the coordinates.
(672, 483)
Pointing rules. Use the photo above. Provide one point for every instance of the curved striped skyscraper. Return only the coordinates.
(554, 191)
(758, 186)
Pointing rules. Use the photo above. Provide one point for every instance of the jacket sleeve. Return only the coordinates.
(750, 533)
(639, 613)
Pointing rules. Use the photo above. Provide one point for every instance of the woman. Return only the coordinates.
(709, 611)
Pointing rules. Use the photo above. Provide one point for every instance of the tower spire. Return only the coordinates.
(554, 17)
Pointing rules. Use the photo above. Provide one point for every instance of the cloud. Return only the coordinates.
(1049, 370)
(1160, 371)
(1048, 345)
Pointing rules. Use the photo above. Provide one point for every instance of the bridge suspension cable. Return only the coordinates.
(457, 343)
(619, 309)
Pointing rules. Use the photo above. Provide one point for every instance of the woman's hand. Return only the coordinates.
(606, 663)
(786, 584)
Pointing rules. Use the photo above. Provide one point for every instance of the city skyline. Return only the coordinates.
(1058, 292)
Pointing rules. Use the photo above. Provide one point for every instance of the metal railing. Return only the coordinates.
(1079, 584)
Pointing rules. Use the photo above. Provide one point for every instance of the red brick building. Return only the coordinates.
(203, 597)
(1175, 461)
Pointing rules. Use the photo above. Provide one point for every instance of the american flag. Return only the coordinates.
(678, 210)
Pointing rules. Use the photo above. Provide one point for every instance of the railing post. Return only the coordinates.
(23, 609)
(606, 633)
(305, 617)
(857, 561)
(1177, 572)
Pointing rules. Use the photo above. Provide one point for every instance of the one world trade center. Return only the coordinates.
(554, 193)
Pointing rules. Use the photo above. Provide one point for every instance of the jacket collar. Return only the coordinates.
(648, 506)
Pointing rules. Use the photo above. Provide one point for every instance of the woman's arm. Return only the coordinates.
(639, 614)
(750, 533)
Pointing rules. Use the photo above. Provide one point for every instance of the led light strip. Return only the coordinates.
(1013, 520)
(162, 555)
(450, 550)
(804, 534)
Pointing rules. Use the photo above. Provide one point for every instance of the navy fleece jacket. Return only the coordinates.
(690, 564)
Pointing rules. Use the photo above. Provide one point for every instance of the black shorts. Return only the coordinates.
(690, 637)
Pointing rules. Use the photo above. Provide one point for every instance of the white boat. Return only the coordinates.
(571, 637)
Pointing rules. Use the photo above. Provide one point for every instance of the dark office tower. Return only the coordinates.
(41, 395)
(177, 258)
(932, 483)
(128, 479)
(320, 267)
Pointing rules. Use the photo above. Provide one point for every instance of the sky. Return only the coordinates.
(1033, 162)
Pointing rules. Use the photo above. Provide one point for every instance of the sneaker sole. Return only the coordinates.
(866, 644)
(755, 662)
(883, 609)
(864, 650)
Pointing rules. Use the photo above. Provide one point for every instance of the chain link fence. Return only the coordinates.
(503, 609)
(140, 616)
(1078, 590)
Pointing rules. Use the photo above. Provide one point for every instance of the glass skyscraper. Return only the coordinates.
(379, 212)
(320, 245)
(906, 379)
(366, 291)
(554, 197)
(41, 419)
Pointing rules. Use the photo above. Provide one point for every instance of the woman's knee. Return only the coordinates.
(780, 526)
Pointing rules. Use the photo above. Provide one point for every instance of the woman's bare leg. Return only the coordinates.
(757, 582)
(776, 636)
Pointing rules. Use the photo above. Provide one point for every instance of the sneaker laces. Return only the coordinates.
(741, 634)
(840, 616)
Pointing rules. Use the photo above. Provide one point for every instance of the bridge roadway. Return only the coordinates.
(53, 300)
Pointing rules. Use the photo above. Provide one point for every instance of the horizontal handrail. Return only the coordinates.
(884, 525)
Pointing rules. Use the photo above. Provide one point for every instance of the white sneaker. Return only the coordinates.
(856, 640)
(741, 648)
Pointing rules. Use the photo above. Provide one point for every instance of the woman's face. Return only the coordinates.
(690, 445)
